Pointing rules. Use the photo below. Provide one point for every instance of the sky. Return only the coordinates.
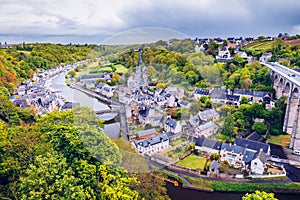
(127, 21)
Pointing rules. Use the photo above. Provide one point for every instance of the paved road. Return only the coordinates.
(284, 71)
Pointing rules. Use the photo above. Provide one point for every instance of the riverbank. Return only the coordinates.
(236, 187)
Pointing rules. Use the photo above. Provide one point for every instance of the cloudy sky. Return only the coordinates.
(93, 21)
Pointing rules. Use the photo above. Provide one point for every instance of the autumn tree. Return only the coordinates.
(259, 195)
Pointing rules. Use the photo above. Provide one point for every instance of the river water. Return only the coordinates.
(180, 193)
(58, 83)
(73, 95)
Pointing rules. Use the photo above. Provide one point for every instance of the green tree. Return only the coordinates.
(72, 73)
(229, 126)
(259, 195)
(51, 178)
(260, 127)
(244, 100)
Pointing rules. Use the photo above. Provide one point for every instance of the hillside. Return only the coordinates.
(20, 63)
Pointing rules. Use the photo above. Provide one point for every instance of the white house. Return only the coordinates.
(152, 145)
(258, 164)
(172, 126)
(265, 57)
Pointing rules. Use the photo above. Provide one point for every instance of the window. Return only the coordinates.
(255, 163)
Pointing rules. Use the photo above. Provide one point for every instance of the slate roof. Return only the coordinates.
(205, 142)
(201, 91)
(255, 137)
(249, 144)
(215, 165)
(170, 122)
(206, 126)
(262, 156)
(153, 140)
(233, 97)
(146, 132)
(157, 117)
(260, 94)
(233, 148)
(248, 156)
(218, 94)
(208, 114)
(243, 92)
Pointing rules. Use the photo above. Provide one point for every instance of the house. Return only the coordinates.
(255, 137)
(199, 92)
(232, 100)
(143, 113)
(70, 105)
(146, 133)
(253, 145)
(214, 166)
(206, 129)
(173, 136)
(209, 115)
(258, 164)
(235, 155)
(184, 104)
(224, 53)
(208, 145)
(265, 57)
(171, 101)
(160, 100)
(152, 145)
(243, 54)
(172, 126)
(218, 95)
(156, 120)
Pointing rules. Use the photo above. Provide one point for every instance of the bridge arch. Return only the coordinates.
(295, 94)
(276, 77)
(287, 89)
(281, 82)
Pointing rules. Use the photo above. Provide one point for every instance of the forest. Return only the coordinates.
(21, 62)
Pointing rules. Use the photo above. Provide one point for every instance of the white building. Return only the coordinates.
(152, 145)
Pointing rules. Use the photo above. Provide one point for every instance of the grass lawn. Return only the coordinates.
(175, 153)
(244, 187)
(282, 140)
(25, 52)
(201, 183)
(105, 69)
(178, 141)
(121, 69)
(193, 162)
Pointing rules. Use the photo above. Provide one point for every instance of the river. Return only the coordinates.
(180, 193)
(58, 84)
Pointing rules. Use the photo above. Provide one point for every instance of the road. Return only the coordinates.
(284, 71)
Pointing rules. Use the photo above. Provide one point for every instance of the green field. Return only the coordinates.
(282, 140)
(193, 162)
(121, 69)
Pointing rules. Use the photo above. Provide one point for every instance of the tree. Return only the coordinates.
(160, 85)
(72, 73)
(51, 178)
(260, 127)
(229, 129)
(259, 195)
(244, 100)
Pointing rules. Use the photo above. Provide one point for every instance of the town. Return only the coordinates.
(188, 141)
